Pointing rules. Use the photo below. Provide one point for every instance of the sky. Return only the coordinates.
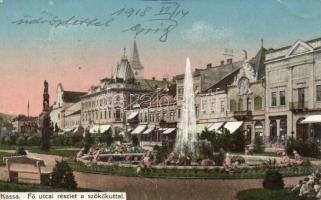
(79, 42)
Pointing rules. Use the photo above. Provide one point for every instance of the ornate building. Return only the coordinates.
(104, 106)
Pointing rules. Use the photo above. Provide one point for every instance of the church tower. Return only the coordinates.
(135, 63)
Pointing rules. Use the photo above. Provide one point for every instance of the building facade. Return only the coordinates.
(105, 105)
(293, 91)
(25, 124)
(59, 109)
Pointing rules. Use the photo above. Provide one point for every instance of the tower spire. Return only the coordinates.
(135, 62)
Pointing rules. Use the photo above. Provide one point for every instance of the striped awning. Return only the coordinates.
(132, 115)
(139, 129)
(148, 131)
(233, 126)
(216, 126)
(99, 128)
(169, 130)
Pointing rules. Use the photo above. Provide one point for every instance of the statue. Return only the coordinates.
(45, 97)
(45, 122)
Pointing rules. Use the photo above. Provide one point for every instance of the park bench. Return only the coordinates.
(24, 164)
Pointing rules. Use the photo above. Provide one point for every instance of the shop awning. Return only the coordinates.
(216, 126)
(233, 126)
(139, 129)
(99, 129)
(132, 115)
(201, 127)
(312, 119)
(169, 130)
(148, 131)
(75, 130)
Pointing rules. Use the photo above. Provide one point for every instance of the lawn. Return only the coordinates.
(188, 173)
(22, 187)
(266, 194)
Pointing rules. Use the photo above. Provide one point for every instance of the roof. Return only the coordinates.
(71, 96)
(74, 113)
(148, 84)
(123, 71)
(212, 75)
(224, 82)
(258, 63)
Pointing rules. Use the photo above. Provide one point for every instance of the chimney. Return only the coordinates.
(222, 62)
(165, 79)
(153, 78)
(229, 61)
(209, 65)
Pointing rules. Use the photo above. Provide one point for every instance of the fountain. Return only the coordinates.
(186, 144)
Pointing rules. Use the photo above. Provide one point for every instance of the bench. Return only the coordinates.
(27, 165)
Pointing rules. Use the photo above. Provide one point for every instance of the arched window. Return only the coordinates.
(258, 103)
(240, 106)
(232, 105)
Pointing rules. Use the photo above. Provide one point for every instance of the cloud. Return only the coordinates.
(201, 31)
(51, 3)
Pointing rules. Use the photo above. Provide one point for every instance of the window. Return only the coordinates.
(258, 103)
(196, 111)
(282, 98)
(204, 106)
(179, 113)
(222, 106)
(318, 92)
(117, 114)
(300, 97)
(232, 105)
(273, 99)
(213, 106)
(240, 106)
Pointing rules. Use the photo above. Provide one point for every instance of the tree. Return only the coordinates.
(88, 141)
(273, 180)
(237, 141)
(63, 176)
(258, 145)
(106, 137)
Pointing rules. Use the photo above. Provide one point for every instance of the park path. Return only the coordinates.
(139, 188)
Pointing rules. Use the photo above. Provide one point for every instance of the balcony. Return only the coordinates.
(297, 106)
(243, 115)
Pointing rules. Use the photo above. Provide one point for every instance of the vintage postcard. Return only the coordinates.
(160, 99)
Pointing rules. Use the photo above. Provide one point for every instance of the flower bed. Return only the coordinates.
(212, 172)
